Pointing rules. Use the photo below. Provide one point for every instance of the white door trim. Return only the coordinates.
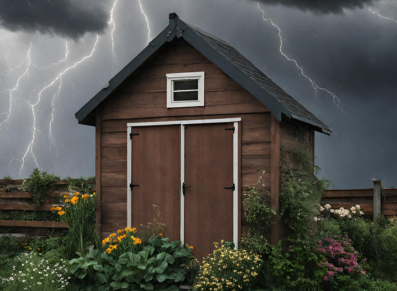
(182, 123)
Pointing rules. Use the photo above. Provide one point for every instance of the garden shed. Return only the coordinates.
(188, 126)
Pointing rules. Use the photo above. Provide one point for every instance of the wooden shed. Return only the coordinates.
(189, 125)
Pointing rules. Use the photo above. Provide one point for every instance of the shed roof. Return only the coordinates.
(228, 59)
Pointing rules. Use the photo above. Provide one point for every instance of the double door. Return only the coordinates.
(185, 173)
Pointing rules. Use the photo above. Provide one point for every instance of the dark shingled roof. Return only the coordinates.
(227, 59)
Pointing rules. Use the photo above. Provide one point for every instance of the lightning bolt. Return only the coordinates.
(381, 16)
(147, 22)
(12, 90)
(111, 21)
(60, 61)
(33, 106)
(335, 98)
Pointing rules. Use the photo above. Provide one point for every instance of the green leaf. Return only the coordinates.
(142, 266)
(115, 285)
(146, 286)
(82, 274)
(98, 268)
(123, 259)
(160, 256)
(161, 268)
(161, 277)
(176, 244)
(126, 272)
(101, 278)
(118, 267)
(148, 277)
(74, 267)
(124, 285)
(169, 259)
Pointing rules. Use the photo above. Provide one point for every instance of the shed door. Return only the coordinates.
(208, 211)
(155, 161)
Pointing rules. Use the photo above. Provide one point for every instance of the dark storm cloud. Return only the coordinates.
(64, 18)
(321, 6)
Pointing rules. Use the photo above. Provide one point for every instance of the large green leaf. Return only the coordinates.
(118, 267)
(161, 277)
(115, 285)
(142, 266)
(148, 277)
(161, 268)
(146, 286)
(74, 267)
(176, 244)
(101, 278)
(169, 259)
(160, 256)
(126, 272)
(151, 260)
(124, 285)
(82, 274)
(98, 267)
(123, 259)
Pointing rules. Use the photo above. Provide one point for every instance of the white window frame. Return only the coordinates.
(185, 76)
(182, 124)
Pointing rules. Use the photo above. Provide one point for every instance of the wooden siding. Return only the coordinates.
(143, 99)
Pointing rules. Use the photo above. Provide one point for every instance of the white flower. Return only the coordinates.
(354, 211)
(321, 208)
(358, 207)
(353, 208)
(327, 206)
(315, 218)
(332, 211)
(361, 212)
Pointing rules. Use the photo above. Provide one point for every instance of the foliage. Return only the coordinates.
(297, 269)
(10, 247)
(228, 268)
(329, 227)
(82, 185)
(7, 178)
(32, 272)
(130, 263)
(79, 214)
(256, 244)
(156, 227)
(39, 183)
(388, 252)
(300, 191)
(258, 212)
(28, 215)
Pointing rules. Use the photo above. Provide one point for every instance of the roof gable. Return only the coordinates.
(224, 56)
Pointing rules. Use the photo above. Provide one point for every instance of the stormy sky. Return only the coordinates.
(56, 55)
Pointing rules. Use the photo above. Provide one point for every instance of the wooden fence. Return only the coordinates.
(385, 200)
(12, 199)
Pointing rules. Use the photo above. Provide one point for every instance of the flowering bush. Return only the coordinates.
(228, 269)
(342, 258)
(32, 272)
(127, 261)
(328, 211)
(79, 214)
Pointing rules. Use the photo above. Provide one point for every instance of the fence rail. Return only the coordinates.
(11, 201)
(385, 200)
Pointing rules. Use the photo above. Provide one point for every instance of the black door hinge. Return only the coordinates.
(184, 188)
(230, 128)
(132, 134)
(133, 185)
(231, 187)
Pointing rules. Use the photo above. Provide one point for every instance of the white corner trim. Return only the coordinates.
(235, 179)
(182, 223)
(185, 76)
(129, 175)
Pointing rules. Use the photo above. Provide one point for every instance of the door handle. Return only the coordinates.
(184, 188)
(231, 187)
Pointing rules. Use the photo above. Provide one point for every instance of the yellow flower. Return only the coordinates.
(120, 231)
(67, 200)
(160, 234)
(113, 235)
(38, 249)
(106, 240)
(61, 212)
(65, 196)
(134, 230)
(137, 241)
(108, 250)
(93, 193)
(52, 208)
(192, 247)
(119, 238)
(77, 193)
(30, 248)
(85, 196)
(74, 200)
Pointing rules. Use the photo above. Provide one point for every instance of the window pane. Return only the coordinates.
(185, 85)
(186, 96)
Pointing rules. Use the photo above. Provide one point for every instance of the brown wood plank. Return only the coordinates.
(208, 170)
(98, 167)
(113, 224)
(156, 169)
(114, 153)
(275, 177)
(112, 210)
(114, 179)
(22, 206)
(6, 195)
(349, 193)
(256, 135)
(252, 180)
(48, 224)
(110, 166)
(114, 194)
(255, 164)
(114, 138)
(256, 149)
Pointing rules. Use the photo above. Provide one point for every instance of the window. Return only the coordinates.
(185, 89)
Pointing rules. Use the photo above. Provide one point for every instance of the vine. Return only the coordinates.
(39, 183)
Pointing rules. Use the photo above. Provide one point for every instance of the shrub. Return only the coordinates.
(130, 263)
(79, 214)
(39, 183)
(388, 253)
(228, 269)
(32, 272)
(256, 244)
(329, 227)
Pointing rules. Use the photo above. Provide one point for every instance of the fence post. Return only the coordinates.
(377, 199)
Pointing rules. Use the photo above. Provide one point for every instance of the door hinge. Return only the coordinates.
(184, 188)
(230, 128)
(231, 187)
(133, 185)
(132, 134)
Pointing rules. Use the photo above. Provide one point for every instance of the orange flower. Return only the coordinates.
(106, 240)
(192, 247)
(137, 241)
(74, 200)
(52, 208)
(58, 208)
(120, 231)
(160, 234)
(134, 230)
(61, 212)
(108, 250)
(85, 196)
(113, 235)
(77, 193)
(65, 196)
(67, 200)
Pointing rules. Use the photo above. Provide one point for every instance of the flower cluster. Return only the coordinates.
(228, 269)
(35, 273)
(58, 209)
(114, 239)
(341, 257)
(341, 212)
